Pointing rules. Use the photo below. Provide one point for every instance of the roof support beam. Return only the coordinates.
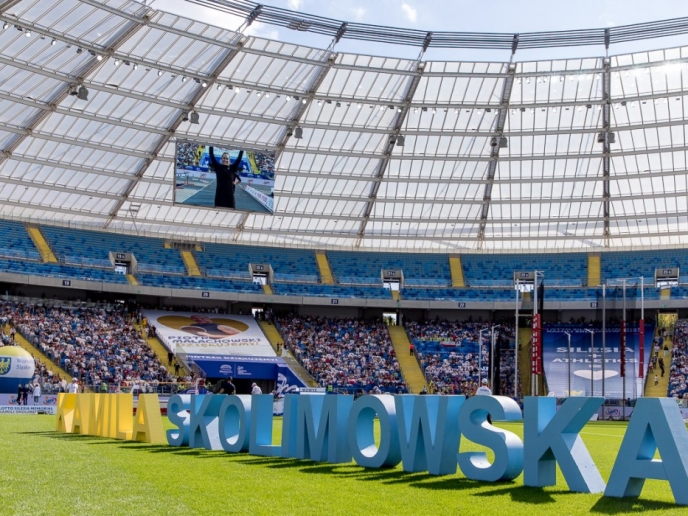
(394, 138)
(78, 168)
(295, 117)
(481, 181)
(197, 96)
(606, 135)
(91, 66)
(498, 139)
(23, 133)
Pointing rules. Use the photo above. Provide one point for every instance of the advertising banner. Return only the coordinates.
(590, 367)
(536, 359)
(46, 404)
(210, 334)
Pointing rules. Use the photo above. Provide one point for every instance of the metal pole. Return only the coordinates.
(516, 350)
(492, 357)
(592, 359)
(533, 377)
(480, 355)
(623, 356)
(604, 341)
(568, 335)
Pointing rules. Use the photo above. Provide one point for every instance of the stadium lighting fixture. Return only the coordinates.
(303, 101)
(116, 62)
(99, 57)
(159, 73)
(82, 94)
(135, 66)
(193, 117)
(359, 105)
(53, 41)
(73, 90)
(5, 25)
(184, 78)
(204, 84)
(28, 33)
(79, 50)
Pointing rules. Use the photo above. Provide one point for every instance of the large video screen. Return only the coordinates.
(224, 177)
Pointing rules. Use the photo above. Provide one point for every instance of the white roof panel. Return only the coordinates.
(393, 153)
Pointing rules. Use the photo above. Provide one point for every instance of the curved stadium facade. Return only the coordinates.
(576, 167)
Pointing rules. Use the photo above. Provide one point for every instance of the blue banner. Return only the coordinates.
(254, 368)
(591, 368)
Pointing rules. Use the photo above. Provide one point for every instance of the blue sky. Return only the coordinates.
(461, 15)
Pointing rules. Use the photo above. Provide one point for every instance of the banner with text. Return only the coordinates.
(591, 366)
(210, 334)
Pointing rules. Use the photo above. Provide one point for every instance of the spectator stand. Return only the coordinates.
(348, 356)
(448, 353)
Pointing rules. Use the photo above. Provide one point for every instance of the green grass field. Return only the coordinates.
(44, 472)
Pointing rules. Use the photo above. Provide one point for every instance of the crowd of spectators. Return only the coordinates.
(347, 355)
(448, 353)
(98, 346)
(266, 164)
(186, 155)
(678, 371)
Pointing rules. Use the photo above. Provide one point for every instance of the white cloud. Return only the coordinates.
(410, 12)
(295, 4)
(359, 12)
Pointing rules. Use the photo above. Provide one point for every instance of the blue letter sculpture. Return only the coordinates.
(261, 427)
(235, 423)
(203, 425)
(429, 433)
(656, 424)
(321, 428)
(177, 407)
(552, 437)
(362, 437)
(508, 448)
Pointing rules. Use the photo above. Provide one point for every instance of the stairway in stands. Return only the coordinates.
(41, 244)
(410, 369)
(276, 341)
(326, 277)
(594, 270)
(456, 271)
(161, 352)
(661, 390)
(192, 268)
(36, 353)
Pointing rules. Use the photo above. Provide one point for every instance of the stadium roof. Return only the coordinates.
(573, 154)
